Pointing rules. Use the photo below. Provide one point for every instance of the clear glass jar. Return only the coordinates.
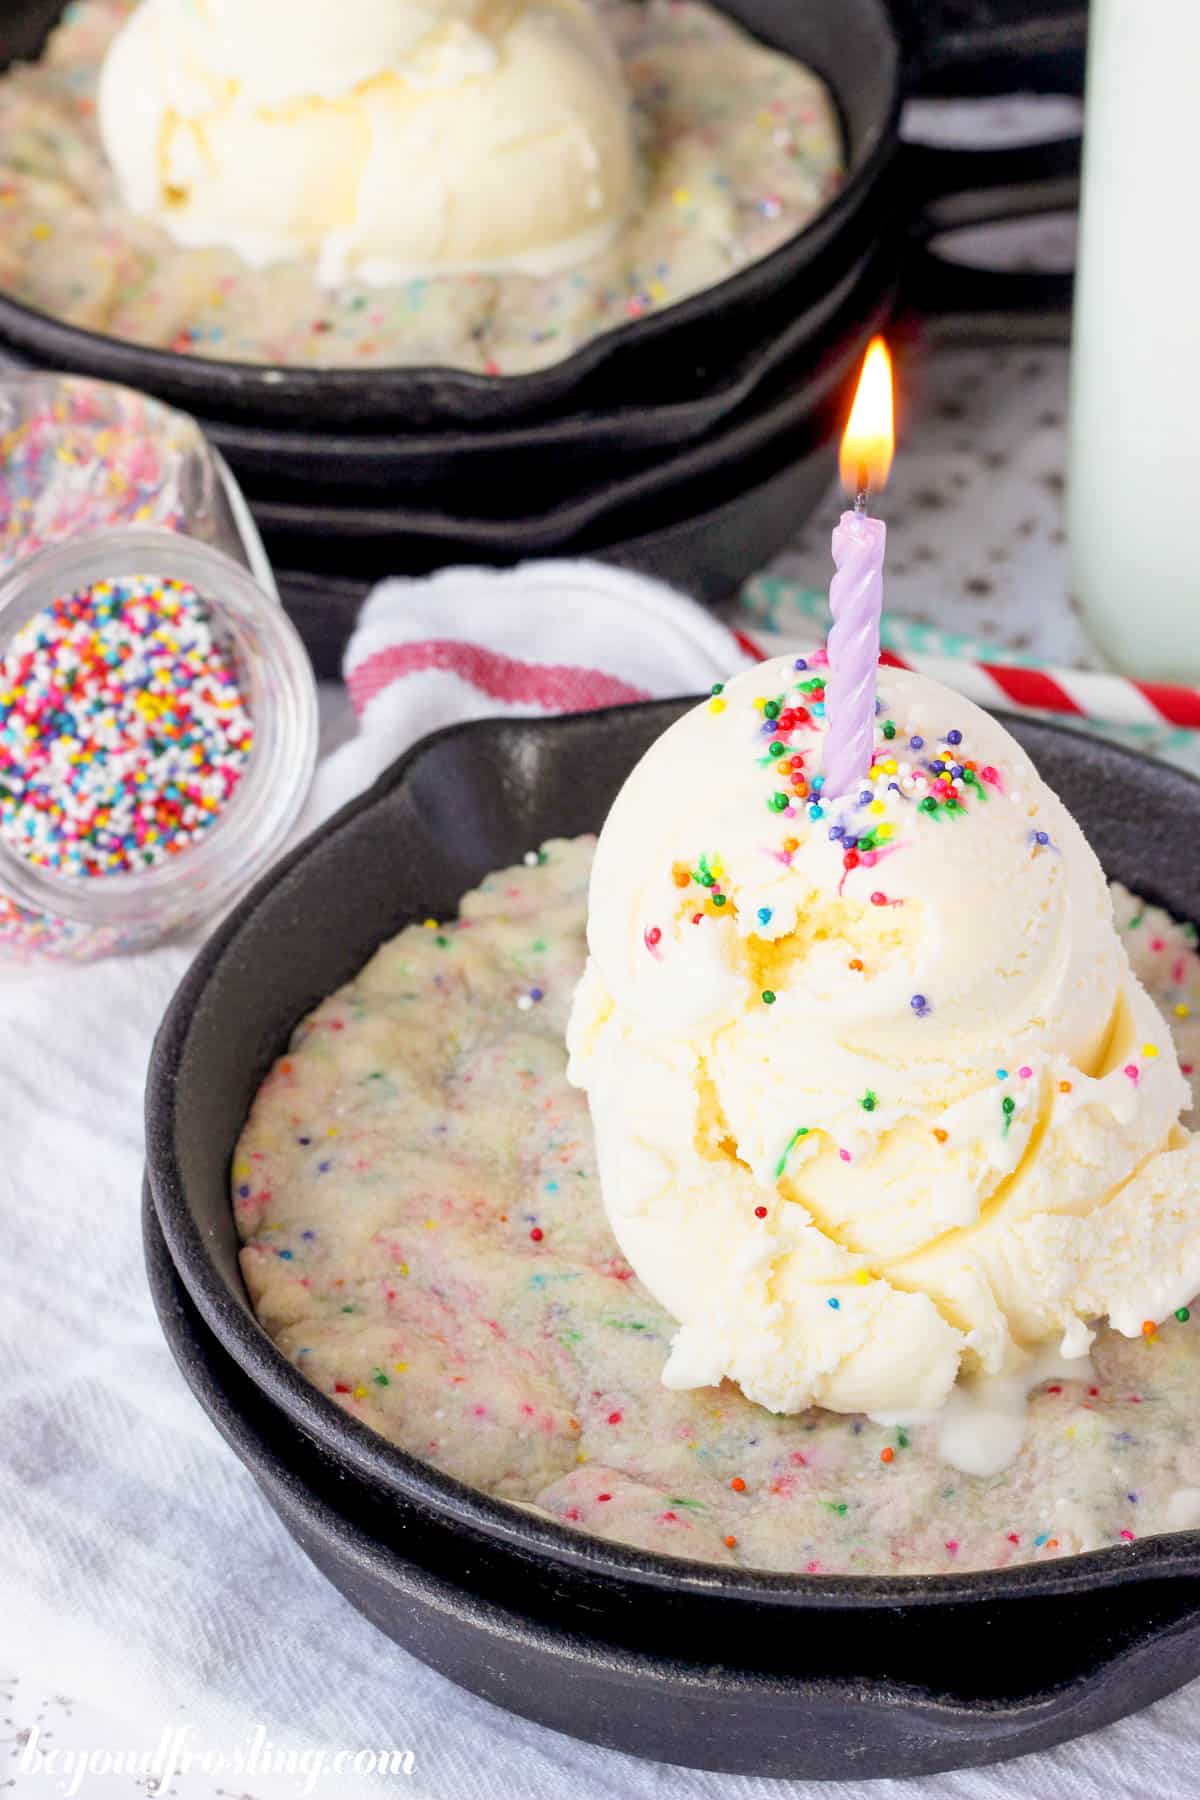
(83, 456)
(45, 912)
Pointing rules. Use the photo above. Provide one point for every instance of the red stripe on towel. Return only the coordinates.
(555, 687)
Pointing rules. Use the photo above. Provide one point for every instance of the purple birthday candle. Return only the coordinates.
(856, 592)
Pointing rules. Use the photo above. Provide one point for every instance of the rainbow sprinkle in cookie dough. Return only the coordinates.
(740, 148)
(424, 1237)
(123, 731)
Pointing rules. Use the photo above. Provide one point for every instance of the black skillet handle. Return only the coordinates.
(973, 49)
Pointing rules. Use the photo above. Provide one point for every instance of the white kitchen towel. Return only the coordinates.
(145, 1585)
(546, 637)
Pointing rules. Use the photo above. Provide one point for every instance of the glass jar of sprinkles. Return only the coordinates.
(158, 735)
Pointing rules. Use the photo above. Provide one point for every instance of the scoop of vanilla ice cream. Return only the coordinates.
(877, 1096)
(388, 138)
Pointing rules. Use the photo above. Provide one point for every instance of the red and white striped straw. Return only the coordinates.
(1080, 692)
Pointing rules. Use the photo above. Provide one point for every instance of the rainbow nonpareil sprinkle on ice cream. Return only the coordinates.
(879, 1102)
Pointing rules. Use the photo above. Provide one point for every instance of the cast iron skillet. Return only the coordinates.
(463, 802)
(899, 1691)
(856, 45)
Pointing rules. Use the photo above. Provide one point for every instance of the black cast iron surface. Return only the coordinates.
(1055, 1648)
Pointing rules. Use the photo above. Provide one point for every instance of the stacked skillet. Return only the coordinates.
(719, 1667)
(688, 442)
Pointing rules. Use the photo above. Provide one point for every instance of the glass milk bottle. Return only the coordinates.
(1134, 466)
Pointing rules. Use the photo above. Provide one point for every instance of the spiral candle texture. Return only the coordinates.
(856, 601)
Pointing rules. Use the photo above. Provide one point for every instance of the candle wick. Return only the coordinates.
(860, 501)
(863, 486)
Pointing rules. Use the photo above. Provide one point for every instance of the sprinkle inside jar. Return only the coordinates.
(123, 728)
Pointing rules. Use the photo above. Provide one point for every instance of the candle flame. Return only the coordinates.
(869, 438)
